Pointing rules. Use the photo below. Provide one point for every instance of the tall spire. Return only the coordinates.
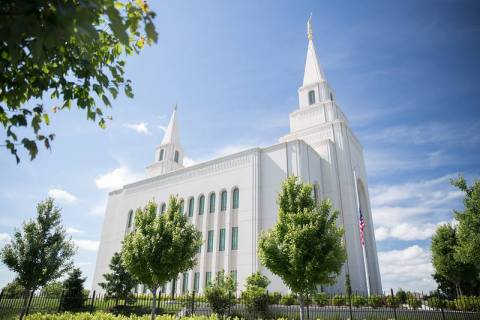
(313, 71)
(172, 135)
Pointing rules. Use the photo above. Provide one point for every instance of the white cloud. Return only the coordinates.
(407, 231)
(72, 230)
(188, 162)
(141, 127)
(98, 210)
(163, 128)
(62, 195)
(88, 245)
(409, 269)
(116, 178)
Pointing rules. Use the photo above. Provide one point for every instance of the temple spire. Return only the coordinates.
(313, 71)
(172, 135)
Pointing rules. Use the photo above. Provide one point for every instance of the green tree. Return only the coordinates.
(468, 246)
(73, 298)
(221, 294)
(66, 50)
(119, 282)
(444, 259)
(161, 247)
(41, 252)
(255, 295)
(13, 289)
(53, 289)
(305, 247)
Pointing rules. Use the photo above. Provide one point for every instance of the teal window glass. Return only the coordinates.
(130, 218)
(181, 206)
(311, 97)
(162, 154)
(201, 237)
(208, 278)
(163, 208)
(185, 282)
(233, 275)
(191, 204)
(221, 240)
(175, 158)
(234, 238)
(201, 205)
(223, 201)
(196, 281)
(210, 241)
(211, 205)
(236, 198)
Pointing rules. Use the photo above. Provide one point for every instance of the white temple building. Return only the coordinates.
(233, 198)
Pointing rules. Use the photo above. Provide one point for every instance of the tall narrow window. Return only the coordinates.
(196, 281)
(185, 283)
(315, 192)
(236, 198)
(130, 219)
(201, 204)
(221, 240)
(175, 158)
(223, 203)
(162, 153)
(163, 208)
(211, 205)
(191, 204)
(234, 238)
(208, 278)
(201, 237)
(331, 96)
(233, 275)
(210, 241)
(311, 97)
(181, 206)
(174, 287)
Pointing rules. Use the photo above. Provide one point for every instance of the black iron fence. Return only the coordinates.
(273, 305)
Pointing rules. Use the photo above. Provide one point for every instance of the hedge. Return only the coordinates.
(107, 316)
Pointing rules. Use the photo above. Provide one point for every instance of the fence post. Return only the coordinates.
(229, 302)
(60, 302)
(29, 302)
(393, 304)
(193, 303)
(350, 304)
(1, 295)
(441, 307)
(93, 301)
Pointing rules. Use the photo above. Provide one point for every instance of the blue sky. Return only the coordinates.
(405, 73)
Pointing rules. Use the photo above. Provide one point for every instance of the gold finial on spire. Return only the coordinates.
(309, 28)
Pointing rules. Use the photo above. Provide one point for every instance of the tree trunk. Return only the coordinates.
(154, 303)
(302, 306)
(26, 295)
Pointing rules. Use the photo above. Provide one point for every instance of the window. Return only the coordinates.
(223, 202)
(196, 281)
(233, 275)
(175, 158)
(181, 206)
(163, 208)
(191, 204)
(221, 241)
(331, 96)
(211, 205)
(185, 283)
(162, 154)
(210, 241)
(234, 238)
(236, 195)
(130, 219)
(201, 204)
(315, 192)
(201, 237)
(208, 278)
(311, 97)
(174, 286)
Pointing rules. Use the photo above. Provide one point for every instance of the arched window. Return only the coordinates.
(211, 205)
(130, 219)
(176, 156)
(311, 97)
(163, 208)
(201, 205)
(191, 204)
(331, 96)
(162, 153)
(235, 198)
(223, 201)
(181, 206)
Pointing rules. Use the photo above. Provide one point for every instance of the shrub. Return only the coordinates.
(359, 301)
(256, 300)
(221, 294)
(402, 296)
(320, 299)
(392, 302)
(375, 301)
(274, 297)
(413, 302)
(467, 303)
(450, 305)
(339, 300)
(435, 302)
(106, 316)
(289, 299)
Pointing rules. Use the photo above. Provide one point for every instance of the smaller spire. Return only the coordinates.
(172, 133)
(309, 28)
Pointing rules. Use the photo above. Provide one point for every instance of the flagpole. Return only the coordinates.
(365, 264)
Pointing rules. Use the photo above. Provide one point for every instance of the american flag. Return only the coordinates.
(361, 224)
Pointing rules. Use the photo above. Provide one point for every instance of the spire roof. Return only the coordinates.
(172, 135)
(313, 70)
